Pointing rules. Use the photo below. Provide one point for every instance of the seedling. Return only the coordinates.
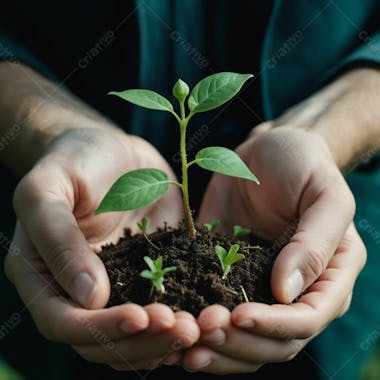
(156, 273)
(228, 258)
(240, 231)
(143, 226)
(211, 226)
(142, 187)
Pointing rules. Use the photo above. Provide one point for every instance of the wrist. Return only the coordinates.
(344, 114)
(33, 111)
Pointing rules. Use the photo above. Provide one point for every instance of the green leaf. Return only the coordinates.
(158, 264)
(226, 270)
(225, 161)
(236, 258)
(232, 252)
(240, 231)
(233, 256)
(148, 274)
(169, 269)
(158, 282)
(221, 253)
(145, 98)
(135, 189)
(215, 90)
(221, 259)
(211, 226)
(151, 264)
(143, 224)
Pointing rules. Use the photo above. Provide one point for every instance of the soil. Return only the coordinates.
(197, 281)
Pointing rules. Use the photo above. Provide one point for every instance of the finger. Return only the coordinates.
(243, 345)
(223, 337)
(325, 217)
(184, 315)
(204, 359)
(50, 224)
(161, 317)
(214, 321)
(145, 346)
(59, 319)
(313, 311)
(262, 128)
(172, 358)
(213, 317)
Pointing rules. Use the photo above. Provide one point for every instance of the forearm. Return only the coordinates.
(346, 113)
(34, 110)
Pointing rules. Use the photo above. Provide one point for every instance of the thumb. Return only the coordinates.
(53, 230)
(319, 231)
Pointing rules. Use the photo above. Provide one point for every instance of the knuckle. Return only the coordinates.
(316, 262)
(56, 259)
(309, 330)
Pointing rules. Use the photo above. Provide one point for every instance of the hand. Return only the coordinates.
(255, 334)
(300, 186)
(58, 234)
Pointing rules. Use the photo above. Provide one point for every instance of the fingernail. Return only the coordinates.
(215, 337)
(82, 288)
(245, 323)
(294, 285)
(126, 327)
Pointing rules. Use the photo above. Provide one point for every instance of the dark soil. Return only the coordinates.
(197, 282)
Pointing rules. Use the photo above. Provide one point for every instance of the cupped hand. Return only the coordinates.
(302, 198)
(58, 234)
(255, 334)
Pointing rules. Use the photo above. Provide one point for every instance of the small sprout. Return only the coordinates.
(212, 225)
(156, 273)
(141, 187)
(143, 226)
(240, 231)
(228, 258)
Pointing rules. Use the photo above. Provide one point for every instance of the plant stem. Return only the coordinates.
(150, 242)
(182, 110)
(185, 180)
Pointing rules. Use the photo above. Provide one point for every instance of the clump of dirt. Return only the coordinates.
(197, 281)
